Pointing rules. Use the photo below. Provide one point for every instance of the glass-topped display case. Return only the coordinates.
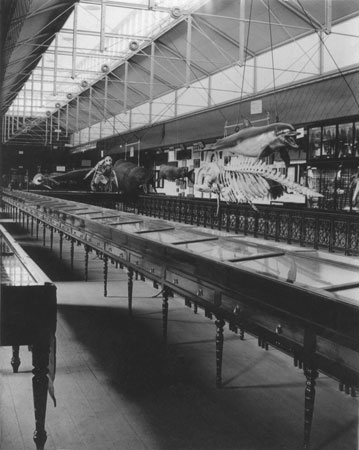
(28, 317)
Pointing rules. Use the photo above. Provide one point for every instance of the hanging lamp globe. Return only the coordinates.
(175, 13)
(69, 96)
(84, 84)
(105, 68)
(133, 46)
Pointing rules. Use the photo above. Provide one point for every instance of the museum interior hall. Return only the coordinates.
(179, 225)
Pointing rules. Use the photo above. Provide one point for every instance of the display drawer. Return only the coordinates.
(146, 265)
(153, 268)
(80, 234)
(136, 259)
(66, 228)
(191, 286)
(336, 352)
(95, 241)
(264, 319)
(118, 252)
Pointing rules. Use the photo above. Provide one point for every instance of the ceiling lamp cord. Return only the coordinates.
(273, 71)
(245, 60)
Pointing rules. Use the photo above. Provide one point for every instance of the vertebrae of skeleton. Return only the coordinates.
(246, 179)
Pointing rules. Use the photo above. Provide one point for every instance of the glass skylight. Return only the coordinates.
(95, 39)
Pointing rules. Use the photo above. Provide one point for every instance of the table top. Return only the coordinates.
(310, 270)
(16, 267)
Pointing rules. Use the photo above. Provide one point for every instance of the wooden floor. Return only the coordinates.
(117, 387)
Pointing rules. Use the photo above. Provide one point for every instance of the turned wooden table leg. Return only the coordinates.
(130, 289)
(105, 274)
(15, 360)
(51, 238)
(43, 234)
(87, 251)
(219, 350)
(72, 253)
(61, 243)
(164, 314)
(40, 361)
(311, 375)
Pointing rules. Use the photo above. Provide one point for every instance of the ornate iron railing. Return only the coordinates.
(314, 228)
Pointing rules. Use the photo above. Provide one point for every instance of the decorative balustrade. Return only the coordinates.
(315, 228)
(307, 227)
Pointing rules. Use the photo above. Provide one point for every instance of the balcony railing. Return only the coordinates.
(318, 229)
(313, 228)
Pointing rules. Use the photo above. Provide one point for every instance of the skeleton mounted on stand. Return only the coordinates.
(104, 177)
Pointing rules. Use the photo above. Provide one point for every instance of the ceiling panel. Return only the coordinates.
(74, 62)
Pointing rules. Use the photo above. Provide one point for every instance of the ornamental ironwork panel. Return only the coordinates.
(251, 227)
(339, 234)
(309, 230)
(283, 227)
(324, 232)
(271, 230)
(352, 244)
(261, 230)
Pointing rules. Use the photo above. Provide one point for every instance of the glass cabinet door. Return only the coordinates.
(329, 141)
(315, 137)
(345, 140)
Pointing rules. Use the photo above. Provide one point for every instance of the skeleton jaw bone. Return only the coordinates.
(258, 142)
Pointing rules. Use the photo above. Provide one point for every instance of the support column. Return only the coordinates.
(74, 43)
(242, 30)
(188, 50)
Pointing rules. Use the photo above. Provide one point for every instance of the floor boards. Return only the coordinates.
(118, 388)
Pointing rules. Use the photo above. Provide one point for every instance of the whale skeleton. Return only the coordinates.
(259, 142)
(245, 180)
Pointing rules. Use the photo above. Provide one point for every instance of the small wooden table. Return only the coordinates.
(28, 317)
